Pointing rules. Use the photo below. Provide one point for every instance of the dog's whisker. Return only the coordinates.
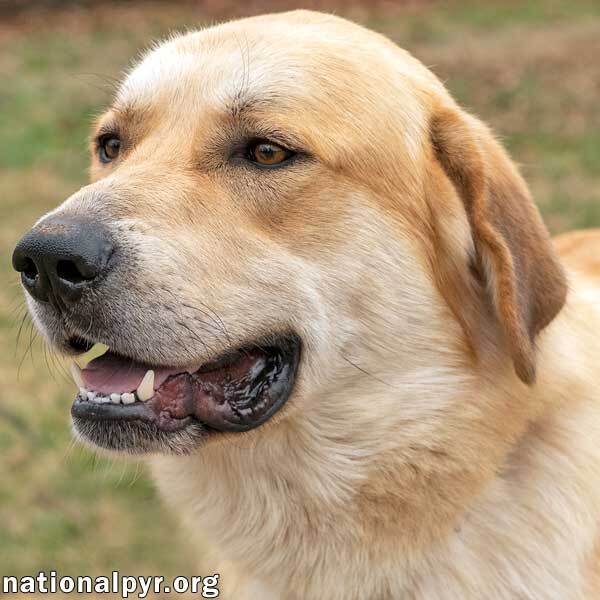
(46, 360)
(365, 372)
(215, 326)
(28, 349)
(58, 363)
(24, 319)
(206, 346)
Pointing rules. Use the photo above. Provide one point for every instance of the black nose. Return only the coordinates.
(62, 257)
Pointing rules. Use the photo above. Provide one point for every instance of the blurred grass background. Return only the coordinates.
(528, 68)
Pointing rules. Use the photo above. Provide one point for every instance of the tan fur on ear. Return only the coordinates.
(513, 249)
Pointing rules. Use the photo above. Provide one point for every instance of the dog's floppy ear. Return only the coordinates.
(514, 255)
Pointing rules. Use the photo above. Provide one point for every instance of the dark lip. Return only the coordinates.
(139, 411)
(140, 427)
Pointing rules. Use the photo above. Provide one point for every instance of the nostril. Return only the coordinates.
(68, 270)
(29, 269)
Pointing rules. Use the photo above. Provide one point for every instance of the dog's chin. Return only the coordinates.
(131, 407)
(131, 438)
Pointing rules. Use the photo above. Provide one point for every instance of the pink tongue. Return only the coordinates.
(110, 374)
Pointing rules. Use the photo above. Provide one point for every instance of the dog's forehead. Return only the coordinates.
(298, 54)
(217, 64)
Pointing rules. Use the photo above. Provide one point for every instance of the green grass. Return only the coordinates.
(528, 68)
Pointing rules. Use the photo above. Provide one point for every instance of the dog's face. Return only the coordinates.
(285, 213)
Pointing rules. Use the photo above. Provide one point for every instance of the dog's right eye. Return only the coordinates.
(108, 148)
(267, 154)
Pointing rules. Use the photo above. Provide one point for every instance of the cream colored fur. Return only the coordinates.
(285, 507)
(410, 462)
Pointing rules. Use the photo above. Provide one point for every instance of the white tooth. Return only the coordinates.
(115, 398)
(83, 392)
(77, 376)
(91, 396)
(145, 390)
(102, 399)
(127, 398)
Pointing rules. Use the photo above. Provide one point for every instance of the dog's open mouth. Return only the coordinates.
(237, 392)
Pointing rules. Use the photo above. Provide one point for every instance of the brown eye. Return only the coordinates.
(268, 154)
(108, 148)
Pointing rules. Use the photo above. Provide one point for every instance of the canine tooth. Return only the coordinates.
(77, 376)
(127, 398)
(145, 390)
(91, 396)
(115, 398)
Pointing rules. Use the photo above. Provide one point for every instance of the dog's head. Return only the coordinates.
(286, 213)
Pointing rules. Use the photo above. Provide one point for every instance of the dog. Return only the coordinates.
(338, 329)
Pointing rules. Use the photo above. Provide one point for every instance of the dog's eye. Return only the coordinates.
(268, 154)
(108, 147)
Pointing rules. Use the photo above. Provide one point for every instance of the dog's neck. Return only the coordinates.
(317, 510)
